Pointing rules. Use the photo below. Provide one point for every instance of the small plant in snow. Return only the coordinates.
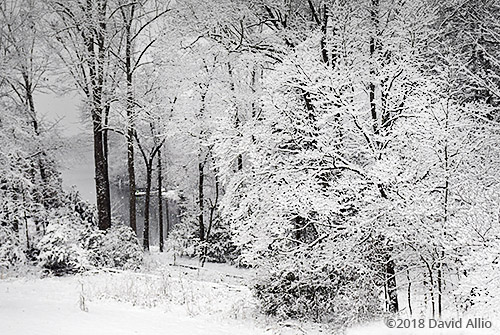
(82, 304)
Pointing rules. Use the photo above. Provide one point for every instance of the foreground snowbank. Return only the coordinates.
(173, 300)
(54, 306)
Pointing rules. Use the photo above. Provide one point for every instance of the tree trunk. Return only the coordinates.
(408, 291)
(374, 47)
(441, 253)
(431, 287)
(105, 133)
(328, 52)
(239, 157)
(131, 180)
(101, 176)
(26, 232)
(145, 233)
(374, 12)
(34, 120)
(392, 287)
(94, 43)
(201, 199)
(211, 218)
(167, 217)
(440, 288)
(160, 204)
(130, 117)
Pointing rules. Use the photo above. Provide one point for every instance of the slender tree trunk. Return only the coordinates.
(440, 288)
(441, 253)
(130, 117)
(239, 158)
(431, 287)
(201, 199)
(213, 207)
(374, 12)
(392, 287)
(160, 204)
(148, 162)
(167, 217)
(101, 176)
(408, 290)
(131, 180)
(34, 120)
(145, 236)
(328, 52)
(211, 218)
(26, 232)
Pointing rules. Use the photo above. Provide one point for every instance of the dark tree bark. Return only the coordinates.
(201, 167)
(393, 305)
(129, 107)
(160, 204)
(130, 12)
(408, 290)
(374, 12)
(239, 157)
(148, 162)
(96, 76)
(147, 202)
(201, 199)
(101, 176)
(131, 180)
(167, 217)
(94, 39)
(392, 287)
(211, 218)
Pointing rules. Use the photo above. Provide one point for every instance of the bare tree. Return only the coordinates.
(137, 18)
(85, 42)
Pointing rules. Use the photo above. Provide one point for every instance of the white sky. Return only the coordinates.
(64, 109)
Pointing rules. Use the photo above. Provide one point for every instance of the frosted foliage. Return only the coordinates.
(116, 248)
(60, 249)
(11, 252)
(71, 246)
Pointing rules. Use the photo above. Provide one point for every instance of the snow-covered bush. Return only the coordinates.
(60, 249)
(71, 245)
(182, 239)
(478, 292)
(219, 247)
(118, 248)
(10, 250)
(321, 290)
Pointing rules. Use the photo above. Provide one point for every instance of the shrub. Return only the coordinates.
(11, 252)
(301, 287)
(118, 248)
(60, 248)
(70, 245)
(219, 247)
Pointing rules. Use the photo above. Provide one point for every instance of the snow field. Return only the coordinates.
(57, 306)
(162, 299)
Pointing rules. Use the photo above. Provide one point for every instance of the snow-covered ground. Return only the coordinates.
(162, 299)
(54, 306)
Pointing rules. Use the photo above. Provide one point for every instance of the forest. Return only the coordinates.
(342, 157)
